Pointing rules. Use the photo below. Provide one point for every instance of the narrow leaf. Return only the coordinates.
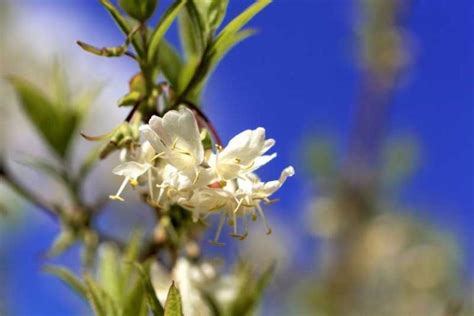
(155, 306)
(95, 298)
(69, 279)
(109, 270)
(135, 302)
(237, 23)
(131, 254)
(163, 26)
(63, 242)
(54, 123)
(169, 62)
(216, 55)
(191, 31)
(173, 306)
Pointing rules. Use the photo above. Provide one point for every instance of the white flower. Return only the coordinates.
(246, 198)
(133, 169)
(188, 278)
(176, 138)
(180, 172)
(193, 279)
(243, 154)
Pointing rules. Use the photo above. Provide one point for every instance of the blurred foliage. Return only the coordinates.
(57, 118)
(374, 259)
(121, 286)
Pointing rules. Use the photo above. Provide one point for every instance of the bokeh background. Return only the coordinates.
(300, 78)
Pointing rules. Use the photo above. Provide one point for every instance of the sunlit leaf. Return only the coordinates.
(240, 21)
(169, 62)
(141, 10)
(162, 27)
(191, 31)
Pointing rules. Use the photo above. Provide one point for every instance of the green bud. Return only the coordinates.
(62, 242)
(104, 51)
(130, 98)
(141, 10)
(137, 83)
(206, 139)
(123, 136)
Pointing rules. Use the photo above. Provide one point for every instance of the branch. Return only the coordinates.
(20, 189)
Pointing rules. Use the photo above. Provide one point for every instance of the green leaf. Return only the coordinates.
(61, 243)
(196, 72)
(141, 10)
(130, 98)
(54, 122)
(173, 306)
(216, 13)
(95, 297)
(237, 23)
(135, 302)
(131, 253)
(217, 54)
(169, 62)
(190, 74)
(123, 24)
(115, 51)
(192, 31)
(153, 302)
(109, 271)
(69, 279)
(84, 100)
(163, 26)
(212, 12)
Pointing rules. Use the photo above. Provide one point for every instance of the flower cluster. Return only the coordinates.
(177, 169)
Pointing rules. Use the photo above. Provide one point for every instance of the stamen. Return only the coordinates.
(150, 184)
(195, 214)
(198, 173)
(158, 156)
(160, 193)
(239, 203)
(234, 218)
(133, 182)
(215, 241)
(117, 196)
(265, 222)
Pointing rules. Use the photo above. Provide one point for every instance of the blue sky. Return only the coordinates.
(297, 77)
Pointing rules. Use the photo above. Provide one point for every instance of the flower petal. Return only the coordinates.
(131, 169)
